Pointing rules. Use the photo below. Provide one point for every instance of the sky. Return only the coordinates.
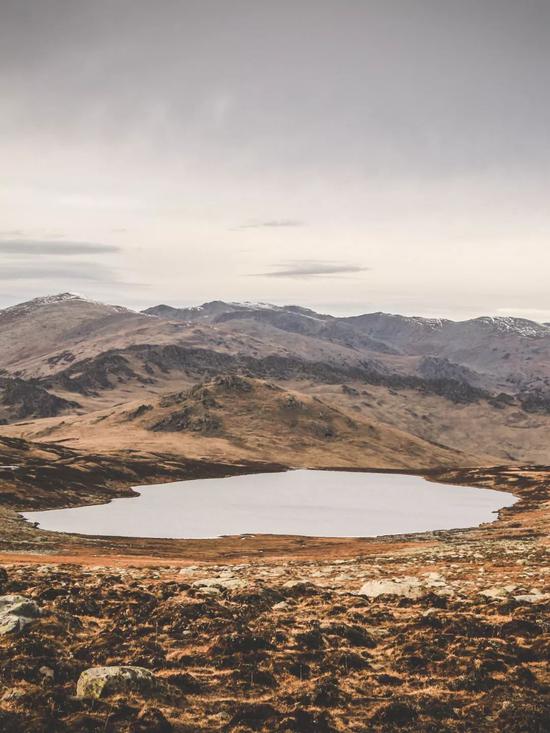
(347, 155)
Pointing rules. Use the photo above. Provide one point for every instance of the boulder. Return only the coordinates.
(497, 592)
(407, 587)
(99, 682)
(16, 612)
(533, 597)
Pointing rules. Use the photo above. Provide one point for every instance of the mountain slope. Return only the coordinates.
(510, 354)
(236, 418)
(514, 350)
(446, 387)
(45, 335)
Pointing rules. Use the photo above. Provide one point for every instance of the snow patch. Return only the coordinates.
(519, 326)
(45, 300)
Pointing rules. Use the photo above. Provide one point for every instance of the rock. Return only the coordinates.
(209, 591)
(98, 682)
(290, 584)
(496, 593)
(537, 597)
(435, 578)
(227, 583)
(406, 587)
(16, 612)
(189, 570)
(47, 674)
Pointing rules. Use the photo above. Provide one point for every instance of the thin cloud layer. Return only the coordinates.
(46, 247)
(190, 131)
(313, 268)
(66, 272)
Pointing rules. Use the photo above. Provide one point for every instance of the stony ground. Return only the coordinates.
(445, 631)
(459, 641)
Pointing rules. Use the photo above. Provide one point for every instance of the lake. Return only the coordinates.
(299, 502)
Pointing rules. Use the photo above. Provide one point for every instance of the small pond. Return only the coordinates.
(300, 502)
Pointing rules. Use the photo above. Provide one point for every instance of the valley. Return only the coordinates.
(441, 630)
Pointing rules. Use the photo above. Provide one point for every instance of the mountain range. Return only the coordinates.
(282, 383)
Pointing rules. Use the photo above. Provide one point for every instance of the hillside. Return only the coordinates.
(234, 418)
(46, 335)
(511, 353)
(399, 391)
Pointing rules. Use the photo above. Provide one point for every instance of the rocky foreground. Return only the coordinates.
(441, 631)
(449, 637)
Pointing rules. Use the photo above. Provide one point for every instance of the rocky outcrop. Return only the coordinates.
(196, 405)
(535, 401)
(90, 376)
(190, 418)
(433, 367)
(115, 367)
(27, 398)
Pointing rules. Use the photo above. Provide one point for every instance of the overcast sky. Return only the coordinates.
(349, 155)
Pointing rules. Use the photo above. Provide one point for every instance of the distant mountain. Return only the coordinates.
(204, 312)
(47, 334)
(219, 310)
(508, 353)
(477, 388)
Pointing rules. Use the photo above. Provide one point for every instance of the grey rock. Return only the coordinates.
(537, 597)
(406, 587)
(16, 612)
(98, 682)
(227, 583)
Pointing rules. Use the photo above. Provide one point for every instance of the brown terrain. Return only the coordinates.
(439, 631)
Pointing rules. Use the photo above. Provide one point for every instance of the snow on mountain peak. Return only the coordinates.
(45, 300)
(509, 324)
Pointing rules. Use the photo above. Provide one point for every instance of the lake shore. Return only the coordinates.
(438, 631)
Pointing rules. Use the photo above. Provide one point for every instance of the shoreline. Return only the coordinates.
(37, 543)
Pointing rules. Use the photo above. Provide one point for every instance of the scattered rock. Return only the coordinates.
(189, 570)
(407, 587)
(533, 597)
(224, 582)
(47, 673)
(98, 682)
(493, 593)
(16, 612)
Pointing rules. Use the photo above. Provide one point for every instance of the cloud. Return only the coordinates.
(273, 224)
(313, 268)
(70, 271)
(47, 247)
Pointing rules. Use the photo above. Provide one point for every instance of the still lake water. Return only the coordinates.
(310, 503)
